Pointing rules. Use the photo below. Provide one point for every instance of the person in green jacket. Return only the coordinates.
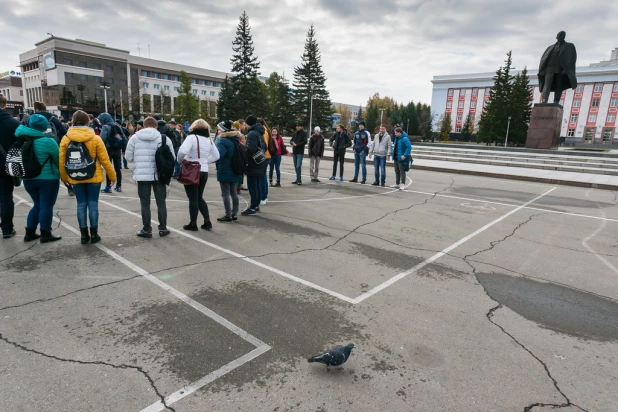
(43, 189)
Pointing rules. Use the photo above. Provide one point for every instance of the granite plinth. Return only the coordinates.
(544, 128)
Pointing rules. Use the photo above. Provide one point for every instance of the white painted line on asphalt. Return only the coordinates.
(240, 256)
(191, 388)
(438, 255)
(591, 250)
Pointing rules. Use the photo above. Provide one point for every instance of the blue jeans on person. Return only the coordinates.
(379, 163)
(264, 188)
(44, 193)
(254, 185)
(359, 160)
(87, 195)
(298, 165)
(176, 170)
(275, 163)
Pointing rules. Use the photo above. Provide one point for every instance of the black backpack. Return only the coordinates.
(239, 160)
(78, 163)
(21, 161)
(165, 161)
(114, 138)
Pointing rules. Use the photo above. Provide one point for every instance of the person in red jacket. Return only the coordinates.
(275, 163)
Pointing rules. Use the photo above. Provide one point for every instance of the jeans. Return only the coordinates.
(339, 158)
(227, 190)
(380, 167)
(124, 162)
(7, 206)
(275, 163)
(400, 173)
(359, 160)
(44, 193)
(160, 192)
(314, 167)
(264, 188)
(195, 193)
(298, 165)
(116, 159)
(87, 195)
(253, 182)
(176, 170)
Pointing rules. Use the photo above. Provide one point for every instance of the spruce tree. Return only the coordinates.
(446, 127)
(279, 102)
(468, 129)
(520, 108)
(360, 117)
(225, 102)
(309, 80)
(186, 107)
(494, 119)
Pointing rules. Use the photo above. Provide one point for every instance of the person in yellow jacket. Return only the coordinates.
(269, 144)
(87, 191)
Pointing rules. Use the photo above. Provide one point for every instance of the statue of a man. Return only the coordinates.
(557, 68)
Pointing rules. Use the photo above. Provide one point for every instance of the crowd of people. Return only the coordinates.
(76, 153)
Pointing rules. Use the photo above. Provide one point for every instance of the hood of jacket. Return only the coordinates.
(81, 134)
(4, 116)
(26, 131)
(46, 115)
(229, 135)
(105, 118)
(162, 127)
(148, 134)
(258, 128)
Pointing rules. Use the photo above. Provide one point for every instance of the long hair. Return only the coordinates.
(263, 123)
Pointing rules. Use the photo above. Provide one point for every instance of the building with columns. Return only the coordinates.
(69, 75)
(590, 110)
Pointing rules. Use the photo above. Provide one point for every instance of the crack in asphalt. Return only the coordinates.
(69, 293)
(490, 315)
(98, 363)
(564, 248)
(19, 253)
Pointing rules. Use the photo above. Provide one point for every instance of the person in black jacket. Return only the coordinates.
(8, 125)
(339, 142)
(166, 130)
(256, 165)
(40, 108)
(298, 141)
(109, 131)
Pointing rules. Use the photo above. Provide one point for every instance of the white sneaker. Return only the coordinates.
(263, 202)
(395, 186)
(402, 186)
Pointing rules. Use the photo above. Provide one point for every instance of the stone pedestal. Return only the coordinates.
(544, 128)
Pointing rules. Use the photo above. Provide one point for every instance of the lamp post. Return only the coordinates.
(381, 115)
(508, 125)
(121, 110)
(311, 108)
(105, 87)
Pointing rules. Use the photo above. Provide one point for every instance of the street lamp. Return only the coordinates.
(311, 109)
(105, 87)
(381, 115)
(507, 131)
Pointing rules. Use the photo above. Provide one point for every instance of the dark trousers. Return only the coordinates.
(264, 184)
(44, 193)
(160, 191)
(7, 206)
(228, 189)
(339, 158)
(298, 165)
(253, 182)
(400, 173)
(554, 79)
(116, 159)
(124, 162)
(195, 193)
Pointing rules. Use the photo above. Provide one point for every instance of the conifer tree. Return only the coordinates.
(186, 107)
(279, 102)
(309, 80)
(520, 108)
(446, 127)
(468, 129)
(360, 117)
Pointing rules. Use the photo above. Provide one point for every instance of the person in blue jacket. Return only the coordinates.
(402, 149)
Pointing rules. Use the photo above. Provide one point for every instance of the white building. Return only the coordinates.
(589, 111)
(68, 75)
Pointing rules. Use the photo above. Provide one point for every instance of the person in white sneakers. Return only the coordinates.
(402, 148)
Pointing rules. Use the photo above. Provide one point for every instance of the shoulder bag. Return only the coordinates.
(190, 170)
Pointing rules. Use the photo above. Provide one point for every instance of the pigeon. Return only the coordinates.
(335, 357)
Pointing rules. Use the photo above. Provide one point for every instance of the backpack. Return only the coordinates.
(238, 163)
(165, 161)
(21, 161)
(79, 165)
(52, 132)
(114, 138)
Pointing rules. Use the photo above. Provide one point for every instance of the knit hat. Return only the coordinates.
(225, 126)
(236, 125)
(299, 123)
(317, 129)
(38, 122)
(361, 122)
(251, 120)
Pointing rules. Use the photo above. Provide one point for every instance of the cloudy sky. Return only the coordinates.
(393, 47)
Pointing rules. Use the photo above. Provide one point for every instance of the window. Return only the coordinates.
(109, 68)
(449, 105)
(176, 78)
(193, 81)
(595, 102)
(614, 102)
(109, 80)
(212, 84)
(144, 73)
(146, 85)
(167, 88)
(461, 105)
(611, 118)
(475, 92)
(155, 75)
(82, 64)
(203, 82)
(571, 133)
(122, 82)
(473, 105)
(592, 118)
(194, 91)
(122, 70)
(97, 91)
(83, 77)
(219, 85)
(615, 87)
(175, 89)
(68, 75)
(459, 117)
(203, 92)
(68, 62)
(97, 79)
(134, 72)
(457, 129)
(157, 86)
(598, 87)
(487, 90)
(96, 66)
(574, 118)
(165, 76)
(450, 92)
(577, 103)
(212, 93)
(607, 135)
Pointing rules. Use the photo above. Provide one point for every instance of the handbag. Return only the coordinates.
(190, 170)
(259, 157)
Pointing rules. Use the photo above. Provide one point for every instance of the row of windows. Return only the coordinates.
(97, 79)
(96, 66)
(176, 89)
(164, 76)
(598, 88)
(592, 118)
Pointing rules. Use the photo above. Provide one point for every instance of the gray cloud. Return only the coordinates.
(393, 47)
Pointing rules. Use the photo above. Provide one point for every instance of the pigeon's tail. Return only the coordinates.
(311, 360)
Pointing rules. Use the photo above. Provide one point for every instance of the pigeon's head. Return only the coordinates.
(350, 346)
